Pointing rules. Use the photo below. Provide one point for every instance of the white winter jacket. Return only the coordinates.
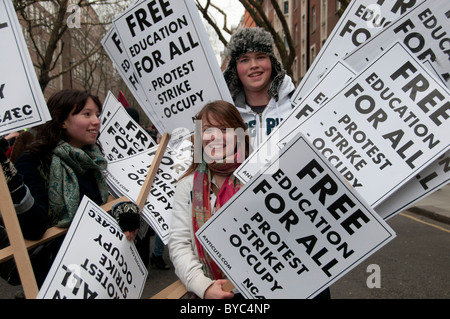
(182, 247)
(260, 125)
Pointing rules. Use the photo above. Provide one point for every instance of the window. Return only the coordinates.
(312, 53)
(313, 19)
(286, 7)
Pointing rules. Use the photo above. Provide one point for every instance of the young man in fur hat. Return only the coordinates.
(259, 85)
(260, 88)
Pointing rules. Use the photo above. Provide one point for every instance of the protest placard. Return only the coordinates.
(361, 20)
(293, 232)
(109, 105)
(379, 131)
(116, 53)
(171, 56)
(95, 260)
(22, 104)
(429, 180)
(434, 176)
(121, 136)
(424, 30)
(335, 78)
(126, 176)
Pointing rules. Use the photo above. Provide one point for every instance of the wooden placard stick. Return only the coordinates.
(17, 241)
(228, 286)
(142, 198)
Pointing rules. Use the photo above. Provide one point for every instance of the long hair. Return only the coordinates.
(228, 116)
(60, 106)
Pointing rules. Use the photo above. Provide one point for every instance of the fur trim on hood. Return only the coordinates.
(246, 40)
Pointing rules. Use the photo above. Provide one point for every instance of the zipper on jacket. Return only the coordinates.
(258, 133)
(260, 128)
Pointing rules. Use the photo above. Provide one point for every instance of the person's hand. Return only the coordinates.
(128, 217)
(131, 235)
(215, 291)
(12, 135)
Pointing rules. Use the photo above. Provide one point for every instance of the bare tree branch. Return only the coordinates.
(205, 13)
(49, 56)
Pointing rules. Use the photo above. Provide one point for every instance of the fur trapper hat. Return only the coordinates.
(246, 40)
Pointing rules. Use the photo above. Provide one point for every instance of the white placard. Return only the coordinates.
(120, 136)
(108, 107)
(424, 30)
(387, 125)
(95, 261)
(361, 20)
(115, 50)
(429, 180)
(22, 104)
(293, 232)
(126, 177)
(335, 78)
(171, 55)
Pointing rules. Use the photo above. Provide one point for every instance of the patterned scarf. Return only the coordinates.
(201, 206)
(64, 190)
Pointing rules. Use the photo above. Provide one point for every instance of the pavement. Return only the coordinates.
(435, 206)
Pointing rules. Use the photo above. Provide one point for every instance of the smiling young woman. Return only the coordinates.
(62, 164)
(83, 128)
(203, 189)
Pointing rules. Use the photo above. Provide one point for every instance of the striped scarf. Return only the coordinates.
(201, 206)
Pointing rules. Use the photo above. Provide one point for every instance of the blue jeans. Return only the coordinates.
(158, 247)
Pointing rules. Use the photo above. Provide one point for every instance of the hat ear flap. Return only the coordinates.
(278, 74)
(232, 79)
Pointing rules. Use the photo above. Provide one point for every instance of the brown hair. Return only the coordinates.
(227, 115)
(60, 106)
